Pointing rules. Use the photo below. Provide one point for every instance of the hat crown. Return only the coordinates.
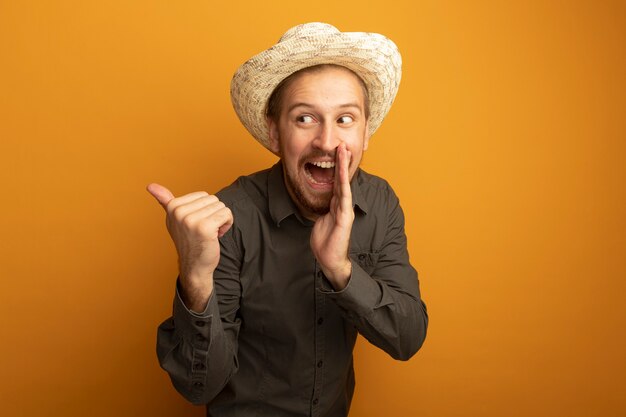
(373, 57)
(308, 29)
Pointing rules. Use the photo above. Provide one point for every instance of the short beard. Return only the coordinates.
(321, 208)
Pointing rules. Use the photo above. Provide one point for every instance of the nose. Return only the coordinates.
(327, 139)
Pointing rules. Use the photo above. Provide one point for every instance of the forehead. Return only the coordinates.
(325, 85)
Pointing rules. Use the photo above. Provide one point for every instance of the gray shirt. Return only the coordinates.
(275, 339)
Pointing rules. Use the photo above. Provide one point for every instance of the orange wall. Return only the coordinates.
(506, 145)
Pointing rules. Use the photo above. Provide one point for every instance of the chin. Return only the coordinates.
(317, 204)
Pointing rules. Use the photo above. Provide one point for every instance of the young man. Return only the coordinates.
(282, 269)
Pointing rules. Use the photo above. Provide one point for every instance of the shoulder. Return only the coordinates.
(368, 180)
(375, 190)
(247, 200)
(246, 192)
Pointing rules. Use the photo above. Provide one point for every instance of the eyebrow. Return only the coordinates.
(310, 106)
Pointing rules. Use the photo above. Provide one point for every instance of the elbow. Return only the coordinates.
(203, 387)
(199, 382)
(411, 347)
(198, 394)
(415, 337)
(193, 388)
(199, 391)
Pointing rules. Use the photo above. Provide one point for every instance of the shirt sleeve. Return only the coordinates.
(199, 351)
(384, 302)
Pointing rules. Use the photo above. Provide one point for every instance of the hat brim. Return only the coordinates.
(371, 56)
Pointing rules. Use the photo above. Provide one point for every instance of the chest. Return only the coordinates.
(279, 275)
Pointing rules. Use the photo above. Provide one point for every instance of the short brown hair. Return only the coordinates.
(274, 103)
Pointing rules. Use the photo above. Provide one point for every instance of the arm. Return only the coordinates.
(197, 345)
(199, 350)
(385, 306)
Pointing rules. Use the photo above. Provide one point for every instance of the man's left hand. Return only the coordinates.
(330, 238)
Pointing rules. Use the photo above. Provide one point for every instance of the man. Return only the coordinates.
(280, 270)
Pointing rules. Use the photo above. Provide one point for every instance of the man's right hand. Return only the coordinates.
(195, 222)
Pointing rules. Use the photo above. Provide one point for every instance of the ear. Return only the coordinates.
(272, 128)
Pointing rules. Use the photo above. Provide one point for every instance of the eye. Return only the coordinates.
(305, 118)
(345, 119)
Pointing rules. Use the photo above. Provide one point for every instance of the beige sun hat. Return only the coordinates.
(372, 56)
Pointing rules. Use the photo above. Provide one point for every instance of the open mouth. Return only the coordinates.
(321, 173)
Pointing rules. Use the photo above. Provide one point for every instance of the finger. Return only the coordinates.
(345, 169)
(183, 207)
(221, 220)
(227, 224)
(162, 194)
(185, 199)
(203, 212)
(344, 193)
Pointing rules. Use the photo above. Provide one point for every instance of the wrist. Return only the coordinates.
(195, 291)
(339, 276)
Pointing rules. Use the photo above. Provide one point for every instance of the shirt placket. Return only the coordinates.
(319, 343)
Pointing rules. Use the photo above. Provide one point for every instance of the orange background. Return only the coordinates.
(506, 145)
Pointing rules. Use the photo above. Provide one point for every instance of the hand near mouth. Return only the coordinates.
(330, 238)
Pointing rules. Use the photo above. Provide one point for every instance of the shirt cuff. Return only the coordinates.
(195, 327)
(360, 297)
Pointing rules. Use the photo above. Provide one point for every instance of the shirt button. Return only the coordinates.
(200, 323)
(315, 401)
(198, 366)
(361, 256)
(198, 384)
(199, 337)
(320, 274)
(320, 363)
(320, 320)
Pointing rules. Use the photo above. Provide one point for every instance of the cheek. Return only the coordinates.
(356, 147)
(295, 148)
(291, 156)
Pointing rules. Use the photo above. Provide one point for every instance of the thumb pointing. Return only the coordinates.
(162, 194)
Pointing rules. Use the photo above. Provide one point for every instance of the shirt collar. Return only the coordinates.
(357, 196)
(280, 204)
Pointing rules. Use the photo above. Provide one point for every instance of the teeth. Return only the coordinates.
(324, 164)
